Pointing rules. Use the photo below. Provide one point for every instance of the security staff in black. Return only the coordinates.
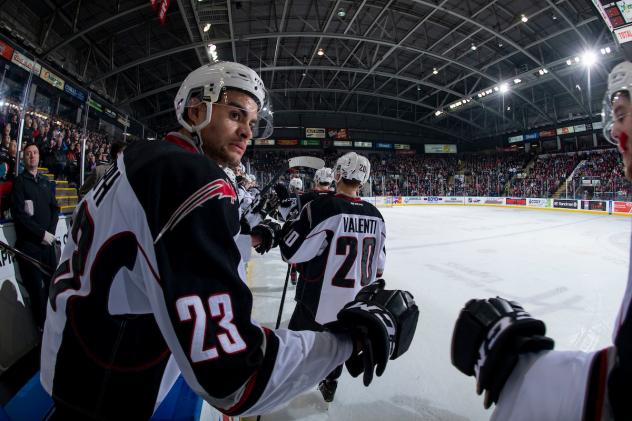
(35, 213)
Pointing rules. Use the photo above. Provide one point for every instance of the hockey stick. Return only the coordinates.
(287, 277)
(297, 161)
(44, 268)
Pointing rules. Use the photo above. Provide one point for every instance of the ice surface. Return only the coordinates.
(569, 269)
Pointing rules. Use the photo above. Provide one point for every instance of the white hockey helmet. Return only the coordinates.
(207, 83)
(296, 184)
(352, 166)
(324, 176)
(619, 80)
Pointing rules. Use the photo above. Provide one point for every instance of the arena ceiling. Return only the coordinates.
(433, 69)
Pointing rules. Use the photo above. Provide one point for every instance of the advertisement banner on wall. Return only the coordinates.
(439, 148)
(547, 133)
(384, 146)
(287, 142)
(310, 142)
(596, 205)
(579, 128)
(402, 146)
(454, 200)
(622, 207)
(494, 200)
(26, 63)
(516, 201)
(264, 142)
(532, 136)
(597, 125)
(314, 133)
(474, 200)
(566, 130)
(363, 144)
(514, 139)
(6, 50)
(75, 92)
(123, 120)
(109, 113)
(343, 143)
(539, 203)
(93, 104)
(339, 134)
(52, 78)
(565, 203)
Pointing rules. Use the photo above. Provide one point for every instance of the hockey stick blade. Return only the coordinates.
(306, 161)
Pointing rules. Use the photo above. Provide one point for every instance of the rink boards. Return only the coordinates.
(17, 331)
(606, 207)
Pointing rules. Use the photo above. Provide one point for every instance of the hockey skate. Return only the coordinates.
(328, 389)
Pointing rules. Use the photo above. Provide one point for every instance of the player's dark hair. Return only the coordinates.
(354, 183)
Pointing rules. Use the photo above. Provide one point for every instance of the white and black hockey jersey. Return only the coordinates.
(574, 385)
(340, 243)
(149, 285)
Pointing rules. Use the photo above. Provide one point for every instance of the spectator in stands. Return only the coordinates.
(35, 213)
(99, 170)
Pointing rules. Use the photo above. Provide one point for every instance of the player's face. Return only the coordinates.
(622, 130)
(225, 137)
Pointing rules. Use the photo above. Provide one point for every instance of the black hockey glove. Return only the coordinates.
(488, 337)
(266, 205)
(269, 232)
(281, 191)
(382, 324)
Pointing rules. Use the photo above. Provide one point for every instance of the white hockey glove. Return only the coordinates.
(382, 324)
(488, 337)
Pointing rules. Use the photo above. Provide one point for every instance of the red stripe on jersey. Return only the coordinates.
(349, 198)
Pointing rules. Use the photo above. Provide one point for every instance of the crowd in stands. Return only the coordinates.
(516, 174)
(58, 142)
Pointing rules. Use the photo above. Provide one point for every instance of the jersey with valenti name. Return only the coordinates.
(149, 285)
(340, 242)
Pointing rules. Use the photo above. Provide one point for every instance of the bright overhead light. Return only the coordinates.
(321, 52)
(435, 71)
(504, 87)
(569, 62)
(342, 13)
(542, 71)
(576, 59)
(517, 81)
(496, 88)
(473, 47)
(603, 51)
(589, 58)
(608, 50)
(438, 113)
(509, 108)
(524, 18)
(207, 27)
(579, 88)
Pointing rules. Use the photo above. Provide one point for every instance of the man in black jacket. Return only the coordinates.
(35, 212)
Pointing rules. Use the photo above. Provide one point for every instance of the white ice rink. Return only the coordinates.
(569, 269)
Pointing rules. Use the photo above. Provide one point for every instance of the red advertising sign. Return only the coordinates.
(516, 201)
(547, 133)
(287, 142)
(6, 50)
(622, 207)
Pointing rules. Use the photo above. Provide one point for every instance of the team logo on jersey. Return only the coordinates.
(217, 189)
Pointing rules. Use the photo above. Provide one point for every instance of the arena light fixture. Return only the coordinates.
(435, 71)
(577, 59)
(320, 52)
(517, 81)
(341, 13)
(504, 87)
(569, 62)
(438, 113)
(207, 27)
(473, 47)
(589, 58)
(524, 18)
(608, 50)
(509, 108)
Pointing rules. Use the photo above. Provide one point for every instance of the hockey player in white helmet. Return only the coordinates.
(339, 242)
(296, 185)
(150, 282)
(323, 180)
(506, 350)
